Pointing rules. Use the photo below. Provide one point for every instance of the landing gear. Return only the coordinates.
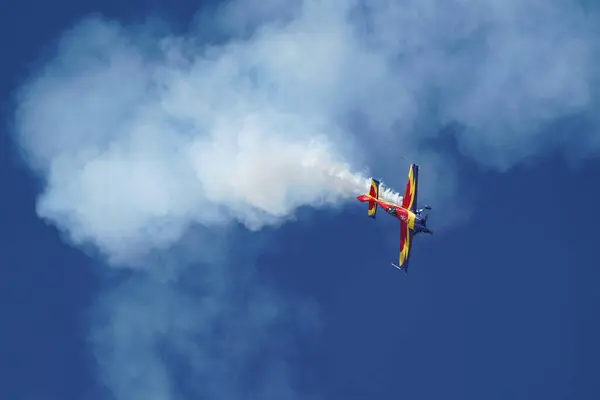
(423, 209)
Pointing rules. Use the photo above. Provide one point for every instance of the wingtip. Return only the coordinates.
(403, 269)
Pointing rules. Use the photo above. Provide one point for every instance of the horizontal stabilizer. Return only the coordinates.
(374, 193)
(370, 198)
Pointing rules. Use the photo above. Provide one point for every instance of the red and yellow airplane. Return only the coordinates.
(412, 221)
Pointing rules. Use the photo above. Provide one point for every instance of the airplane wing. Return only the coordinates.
(406, 236)
(409, 201)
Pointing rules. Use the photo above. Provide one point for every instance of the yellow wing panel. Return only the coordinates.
(409, 201)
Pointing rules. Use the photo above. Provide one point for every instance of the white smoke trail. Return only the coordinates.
(140, 137)
(130, 169)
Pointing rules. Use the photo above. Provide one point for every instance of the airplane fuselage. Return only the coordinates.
(415, 221)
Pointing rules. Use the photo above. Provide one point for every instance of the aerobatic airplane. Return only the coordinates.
(412, 221)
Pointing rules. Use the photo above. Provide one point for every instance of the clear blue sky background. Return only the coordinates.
(504, 306)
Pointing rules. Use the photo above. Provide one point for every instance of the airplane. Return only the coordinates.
(412, 220)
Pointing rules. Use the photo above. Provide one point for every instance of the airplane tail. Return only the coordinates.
(373, 194)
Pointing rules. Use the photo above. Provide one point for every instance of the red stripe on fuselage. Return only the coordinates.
(401, 212)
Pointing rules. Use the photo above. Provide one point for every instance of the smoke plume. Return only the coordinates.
(143, 138)
(151, 143)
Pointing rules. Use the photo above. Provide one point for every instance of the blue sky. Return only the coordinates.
(499, 303)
